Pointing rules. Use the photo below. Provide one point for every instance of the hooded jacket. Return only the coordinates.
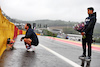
(90, 23)
(31, 34)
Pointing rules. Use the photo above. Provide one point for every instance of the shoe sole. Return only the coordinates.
(82, 58)
(87, 60)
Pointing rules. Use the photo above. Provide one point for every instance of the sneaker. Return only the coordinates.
(27, 46)
(31, 49)
(82, 57)
(88, 58)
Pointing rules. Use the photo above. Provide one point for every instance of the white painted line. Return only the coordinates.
(61, 57)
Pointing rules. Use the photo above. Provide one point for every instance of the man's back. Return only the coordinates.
(31, 34)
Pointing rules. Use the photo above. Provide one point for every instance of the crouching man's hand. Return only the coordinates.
(21, 39)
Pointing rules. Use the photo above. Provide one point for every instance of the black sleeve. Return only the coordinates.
(91, 25)
(28, 35)
(23, 37)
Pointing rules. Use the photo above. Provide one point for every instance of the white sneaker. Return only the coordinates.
(31, 49)
(27, 46)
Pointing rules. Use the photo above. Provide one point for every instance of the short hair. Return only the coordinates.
(91, 8)
(29, 25)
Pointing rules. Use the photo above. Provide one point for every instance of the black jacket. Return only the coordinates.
(90, 23)
(31, 34)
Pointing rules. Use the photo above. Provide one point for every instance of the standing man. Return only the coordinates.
(88, 32)
(30, 38)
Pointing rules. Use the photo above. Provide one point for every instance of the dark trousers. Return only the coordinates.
(88, 41)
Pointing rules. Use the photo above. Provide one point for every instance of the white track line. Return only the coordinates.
(61, 57)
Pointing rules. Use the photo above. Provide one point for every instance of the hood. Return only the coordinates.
(94, 14)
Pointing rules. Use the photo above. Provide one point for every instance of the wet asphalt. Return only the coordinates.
(19, 57)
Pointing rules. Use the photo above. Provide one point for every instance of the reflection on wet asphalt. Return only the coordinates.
(19, 57)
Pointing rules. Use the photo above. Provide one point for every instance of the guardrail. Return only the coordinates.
(7, 30)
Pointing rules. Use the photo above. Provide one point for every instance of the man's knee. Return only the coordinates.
(25, 40)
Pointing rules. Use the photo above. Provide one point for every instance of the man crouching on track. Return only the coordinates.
(30, 39)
